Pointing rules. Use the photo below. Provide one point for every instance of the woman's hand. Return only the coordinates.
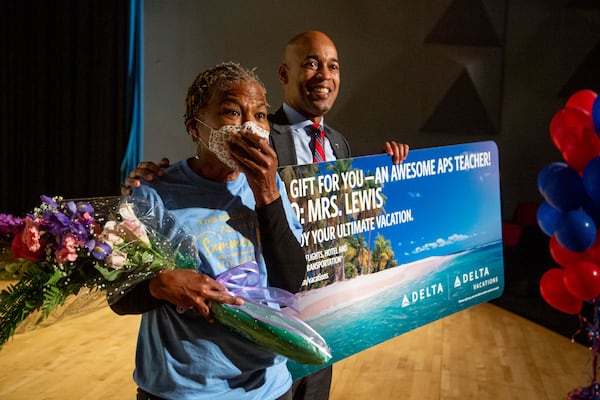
(190, 290)
(258, 161)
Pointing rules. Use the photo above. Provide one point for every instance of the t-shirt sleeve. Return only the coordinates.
(284, 257)
(136, 301)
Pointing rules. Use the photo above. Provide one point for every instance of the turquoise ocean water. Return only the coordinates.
(471, 277)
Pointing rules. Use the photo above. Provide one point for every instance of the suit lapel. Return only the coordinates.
(282, 139)
(335, 145)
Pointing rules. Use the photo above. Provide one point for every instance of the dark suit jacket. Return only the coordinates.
(283, 142)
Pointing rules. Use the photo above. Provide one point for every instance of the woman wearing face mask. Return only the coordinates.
(230, 198)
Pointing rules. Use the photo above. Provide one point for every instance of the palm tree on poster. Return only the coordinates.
(383, 255)
(339, 168)
(370, 184)
(290, 173)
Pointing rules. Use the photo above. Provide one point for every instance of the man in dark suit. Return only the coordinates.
(283, 142)
(310, 75)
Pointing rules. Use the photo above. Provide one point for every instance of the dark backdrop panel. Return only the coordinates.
(62, 99)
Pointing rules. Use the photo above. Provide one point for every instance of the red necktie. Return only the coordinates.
(319, 142)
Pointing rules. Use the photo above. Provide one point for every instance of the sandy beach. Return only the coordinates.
(318, 302)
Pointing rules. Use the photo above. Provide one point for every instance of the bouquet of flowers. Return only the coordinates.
(64, 248)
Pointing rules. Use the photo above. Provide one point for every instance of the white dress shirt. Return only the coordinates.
(302, 138)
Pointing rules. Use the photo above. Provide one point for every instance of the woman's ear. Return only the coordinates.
(192, 129)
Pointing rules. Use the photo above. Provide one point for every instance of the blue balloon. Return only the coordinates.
(547, 217)
(591, 179)
(547, 170)
(596, 115)
(562, 187)
(575, 231)
(593, 210)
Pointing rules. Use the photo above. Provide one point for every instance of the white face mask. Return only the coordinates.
(218, 138)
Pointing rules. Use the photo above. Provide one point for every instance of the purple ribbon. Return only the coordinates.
(244, 280)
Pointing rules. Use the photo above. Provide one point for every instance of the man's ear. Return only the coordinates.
(283, 74)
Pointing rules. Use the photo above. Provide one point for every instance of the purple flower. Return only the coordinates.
(83, 208)
(101, 250)
(56, 224)
(70, 219)
(49, 201)
(10, 224)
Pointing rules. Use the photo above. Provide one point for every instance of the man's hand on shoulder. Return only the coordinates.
(145, 170)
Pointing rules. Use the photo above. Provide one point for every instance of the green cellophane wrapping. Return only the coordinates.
(286, 336)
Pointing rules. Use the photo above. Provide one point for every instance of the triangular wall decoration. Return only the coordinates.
(461, 111)
(465, 22)
(587, 75)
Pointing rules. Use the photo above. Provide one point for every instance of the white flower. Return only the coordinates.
(117, 259)
(111, 234)
(132, 227)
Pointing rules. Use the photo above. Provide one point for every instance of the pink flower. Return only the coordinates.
(28, 243)
(133, 227)
(134, 231)
(20, 250)
(116, 260)
(68, 252)
(32, 235)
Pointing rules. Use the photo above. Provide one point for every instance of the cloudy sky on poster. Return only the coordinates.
(422, 210)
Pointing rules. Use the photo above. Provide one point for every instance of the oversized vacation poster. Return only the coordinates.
(390, 248)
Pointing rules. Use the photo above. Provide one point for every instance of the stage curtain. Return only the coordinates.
(63, 128)
(135, 87)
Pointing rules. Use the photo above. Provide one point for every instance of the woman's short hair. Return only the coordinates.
(222, 76)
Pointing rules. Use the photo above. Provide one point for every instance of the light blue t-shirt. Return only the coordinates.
(182, 356)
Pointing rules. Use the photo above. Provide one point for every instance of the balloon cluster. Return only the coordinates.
(570, 216)
(570, 213)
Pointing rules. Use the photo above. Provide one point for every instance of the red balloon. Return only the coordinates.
(582, 280)
(562, 256)
(572, 132)
(593, 253)
(579, 155)
(554, 292)
(583, 100)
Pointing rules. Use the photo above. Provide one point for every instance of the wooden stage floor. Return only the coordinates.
(483, 352)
